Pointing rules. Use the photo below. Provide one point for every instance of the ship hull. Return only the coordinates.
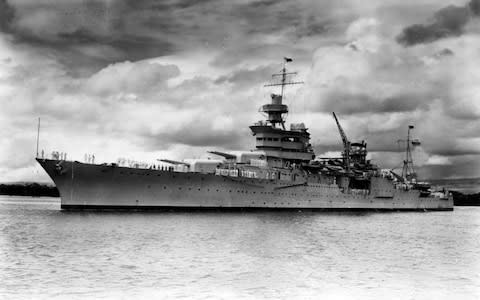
(89, 186)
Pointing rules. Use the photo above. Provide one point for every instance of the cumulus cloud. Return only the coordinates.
(127, 106)
(7, 14)
(438, 160)
(447, 22)
(130, 78)
(374, 76)
(146, 80)
(95, 33)
(378, 88)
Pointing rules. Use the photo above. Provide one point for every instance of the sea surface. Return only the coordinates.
(46, 253)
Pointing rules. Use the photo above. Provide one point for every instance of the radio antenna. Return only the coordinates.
(38, 134)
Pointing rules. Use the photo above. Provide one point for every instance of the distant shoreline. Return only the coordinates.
(35, 189)
(460, 199)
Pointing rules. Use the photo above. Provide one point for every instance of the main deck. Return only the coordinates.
(90, 186)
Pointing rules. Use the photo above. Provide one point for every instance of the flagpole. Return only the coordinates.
(283, 76)
(38, 134)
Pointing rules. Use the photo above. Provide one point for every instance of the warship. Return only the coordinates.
(282, 172)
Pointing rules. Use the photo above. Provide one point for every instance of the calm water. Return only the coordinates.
(49, 254)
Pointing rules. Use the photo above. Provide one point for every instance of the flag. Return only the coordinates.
(288, 59)
(411, 126)
(416, 142)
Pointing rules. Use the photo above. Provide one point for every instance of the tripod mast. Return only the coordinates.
(408, 171)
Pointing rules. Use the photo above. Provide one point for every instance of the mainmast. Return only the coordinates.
(408, 171)
(276, 109)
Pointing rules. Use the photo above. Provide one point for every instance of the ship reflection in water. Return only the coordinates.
(50, 253)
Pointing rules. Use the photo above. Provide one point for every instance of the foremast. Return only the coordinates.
(281, 146)
(276, 108)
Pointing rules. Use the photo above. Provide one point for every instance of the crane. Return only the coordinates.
(346, 144)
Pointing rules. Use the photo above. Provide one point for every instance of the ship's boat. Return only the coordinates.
(281, 172)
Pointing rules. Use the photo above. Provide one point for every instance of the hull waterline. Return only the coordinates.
(90, 186)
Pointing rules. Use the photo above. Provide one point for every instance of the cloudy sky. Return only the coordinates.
(145, 79)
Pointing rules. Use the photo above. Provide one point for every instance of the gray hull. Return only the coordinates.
(88, 186)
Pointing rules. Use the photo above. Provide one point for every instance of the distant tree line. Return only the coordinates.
(28, 189)
(460, 199)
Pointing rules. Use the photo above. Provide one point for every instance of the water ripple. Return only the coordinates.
(49, 254)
